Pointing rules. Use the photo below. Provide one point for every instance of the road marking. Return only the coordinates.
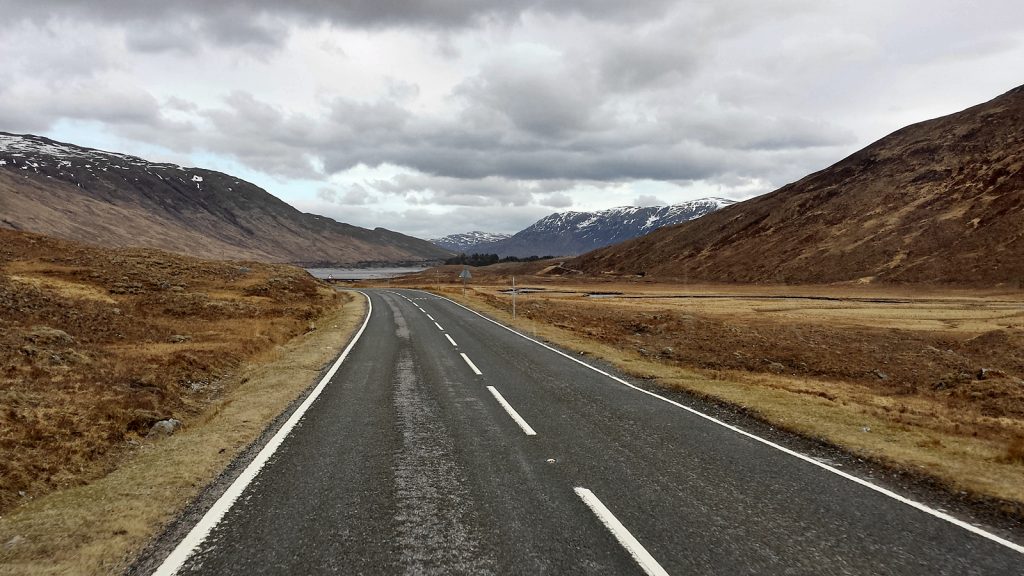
(438, 326)
(512, 411)
(884, 491)
(635, 549)
(202, 529)
(450, 340)
(428, 315)
(471, 365)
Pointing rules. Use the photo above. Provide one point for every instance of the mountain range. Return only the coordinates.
(467, 240)
(113, 199)
(572, 233)
(940, 201)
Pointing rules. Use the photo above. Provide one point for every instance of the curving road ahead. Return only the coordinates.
(444, 443)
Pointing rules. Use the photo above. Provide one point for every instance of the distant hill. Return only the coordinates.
(460, 242)
(572, 233)
(940, 201)
(117, 200)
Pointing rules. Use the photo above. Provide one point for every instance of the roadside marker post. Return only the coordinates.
(465, 275)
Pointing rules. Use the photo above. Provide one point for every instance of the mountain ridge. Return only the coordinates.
(460, 242)
(114, 199)
(570, 233)
(939, 201)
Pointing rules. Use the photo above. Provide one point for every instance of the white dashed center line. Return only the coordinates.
(450, 340)
(429, 316)
(635, 549)
(512, 412)
(438, 326)
(471, 365)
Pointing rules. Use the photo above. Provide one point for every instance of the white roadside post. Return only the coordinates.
(513, 297)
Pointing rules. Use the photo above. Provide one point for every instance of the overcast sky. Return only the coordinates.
(444, 116)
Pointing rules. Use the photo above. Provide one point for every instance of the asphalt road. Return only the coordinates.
(411, 462)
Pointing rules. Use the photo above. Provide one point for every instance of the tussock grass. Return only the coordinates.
(97, 345)
(98, 527)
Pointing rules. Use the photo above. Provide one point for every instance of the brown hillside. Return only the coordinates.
(119, 201)
(940, 201)
(97, 345)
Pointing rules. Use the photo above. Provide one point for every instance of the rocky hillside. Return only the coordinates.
(941, 201)
(116, 200)
(572, 233)
(467, 240)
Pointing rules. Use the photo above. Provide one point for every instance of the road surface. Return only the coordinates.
(446, 444)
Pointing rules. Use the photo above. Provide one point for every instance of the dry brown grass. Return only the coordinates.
(889, 374)
(98, 345)
(98, 527)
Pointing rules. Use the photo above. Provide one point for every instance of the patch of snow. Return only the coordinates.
(197, 178)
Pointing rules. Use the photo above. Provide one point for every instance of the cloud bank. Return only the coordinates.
(440, 115)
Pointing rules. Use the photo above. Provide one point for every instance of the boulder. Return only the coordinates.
(164, 428)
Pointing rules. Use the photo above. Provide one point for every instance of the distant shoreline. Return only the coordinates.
(362, 273)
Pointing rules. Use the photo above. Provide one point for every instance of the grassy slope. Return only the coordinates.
(96, 346)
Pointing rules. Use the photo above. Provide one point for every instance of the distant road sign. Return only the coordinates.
(465, 275)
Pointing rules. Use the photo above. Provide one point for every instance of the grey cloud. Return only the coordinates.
(428, 14)
(262, 136)
(187, 35)
(742, 94)
(174, 36)
(327, 194)
(554, 200)
(37, 107)
(180, 104)
(648, 200)
(356, 195)
(362, 119)
(486, 191)
(426, 224)
(463, 153)
(639, 64)
(552, 100)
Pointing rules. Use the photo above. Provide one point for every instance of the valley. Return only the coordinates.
(482, 288)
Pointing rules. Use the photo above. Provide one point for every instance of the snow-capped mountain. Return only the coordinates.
(114, 199)
(459, 242)
(572, 233)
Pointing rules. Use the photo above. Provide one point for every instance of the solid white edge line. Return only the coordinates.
(213, 516)
(450, 340)
(438, 326)
(631, 544)
(512, 412)
(471, 365)
(884, 491)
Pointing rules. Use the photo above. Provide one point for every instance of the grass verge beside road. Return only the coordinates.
(98, 527)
